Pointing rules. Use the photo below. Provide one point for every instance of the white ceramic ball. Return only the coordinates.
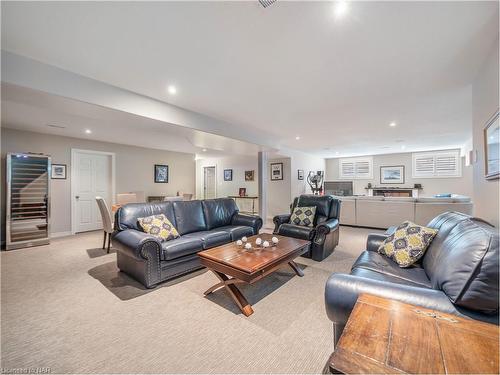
(266, 244)
(275, 240)
(239, 242)
(258, 241)
(248, 246)
(244, 239)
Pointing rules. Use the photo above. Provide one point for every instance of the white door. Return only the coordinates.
(92, 178)
(209, 182)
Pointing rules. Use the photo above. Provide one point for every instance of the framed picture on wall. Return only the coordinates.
(276, 171)
(300, 174)
(58, 172)
(491, 148)
(392, 174)
(249, 175)
(161, 173)
(228, 175)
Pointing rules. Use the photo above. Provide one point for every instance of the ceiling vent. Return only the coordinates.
(266, 3)
(56, 126)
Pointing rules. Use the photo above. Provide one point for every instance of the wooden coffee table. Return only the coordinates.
(384, 336)
(232, 264)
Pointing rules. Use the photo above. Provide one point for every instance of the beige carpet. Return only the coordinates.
(65, 306)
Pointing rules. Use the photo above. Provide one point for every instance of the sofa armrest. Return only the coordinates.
(323, 229)
(137, 244)
(375, 240)
(253, 221)
(342, 291)
(280, 219)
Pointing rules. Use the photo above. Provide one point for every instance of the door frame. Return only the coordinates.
(75, 151)
(203, 179)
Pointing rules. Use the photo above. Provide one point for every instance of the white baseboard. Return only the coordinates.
(60, 234)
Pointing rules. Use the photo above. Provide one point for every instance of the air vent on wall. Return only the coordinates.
(266, 3)
(56, 126)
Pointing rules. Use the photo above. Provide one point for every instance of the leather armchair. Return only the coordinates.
(458, 274)
(324, 234)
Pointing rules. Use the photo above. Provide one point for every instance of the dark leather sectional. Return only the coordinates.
(458, 274)
(202, 224)
(324, 234)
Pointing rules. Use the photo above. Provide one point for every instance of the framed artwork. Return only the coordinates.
(276, 171)
(249, 175)
(161, 173)
(242, 192)
(58, 172)
(300, 174)
(392, 174)
(491, 148)
(228, 175)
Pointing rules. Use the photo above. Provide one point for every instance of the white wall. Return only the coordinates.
(431, 186)
(239, 164)
(279, 192)
(134, 169)
(485, 101)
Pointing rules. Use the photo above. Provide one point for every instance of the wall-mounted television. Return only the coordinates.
(340, 188)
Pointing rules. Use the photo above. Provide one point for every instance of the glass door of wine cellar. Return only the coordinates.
(28, 200)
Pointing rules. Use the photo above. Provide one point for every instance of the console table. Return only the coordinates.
(253, 198)
(384, 336)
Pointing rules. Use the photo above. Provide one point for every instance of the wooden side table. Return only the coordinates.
(386, 337)
(253, 198)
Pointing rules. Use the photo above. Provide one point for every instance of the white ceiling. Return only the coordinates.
(31, 110)
(292, 69)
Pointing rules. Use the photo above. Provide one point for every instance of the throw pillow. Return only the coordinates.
(408, 243)
(303, 216)
(158, 226)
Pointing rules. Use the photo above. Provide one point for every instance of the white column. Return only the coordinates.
(263, 179)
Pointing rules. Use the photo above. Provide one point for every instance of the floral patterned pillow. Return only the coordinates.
(408, 243)
(158, 226)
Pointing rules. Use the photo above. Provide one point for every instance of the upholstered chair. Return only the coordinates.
(107, 223)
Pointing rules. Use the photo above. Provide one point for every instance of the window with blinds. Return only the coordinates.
(437, 164)
(356, 168)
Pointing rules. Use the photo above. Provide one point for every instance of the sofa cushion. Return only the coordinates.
(218, 212)
(303, 216)
(366, 273)
(126, 217)
(189, 217)
(375, 262)
(211, 238)
(158, 226)
(297, 231)
(180, 247)
(466, 267)
(237, 231)
(444, 223)
(407, 244)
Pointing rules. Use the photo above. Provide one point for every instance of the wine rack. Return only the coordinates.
(28, 200)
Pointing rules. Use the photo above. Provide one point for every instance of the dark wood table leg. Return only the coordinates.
(296, 268)
(233, 291)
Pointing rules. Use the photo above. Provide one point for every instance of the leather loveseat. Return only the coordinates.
(202, 224)
(324, 234)
(458, 274)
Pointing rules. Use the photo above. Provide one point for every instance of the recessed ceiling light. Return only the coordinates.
(337, 153)
(392, 124)
(172, 90)
(297, 138)
(340, 8)
(88, 131)
(403, 147)
(204, 150)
